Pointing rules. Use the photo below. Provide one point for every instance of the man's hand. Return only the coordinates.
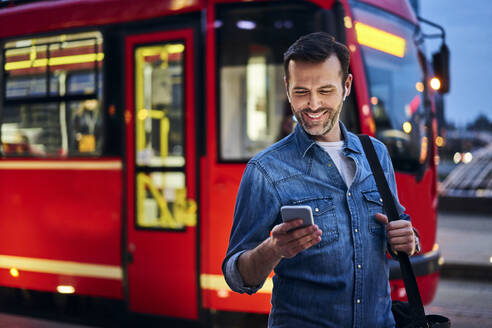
(255, 264)
(399, 233)
(287, 242)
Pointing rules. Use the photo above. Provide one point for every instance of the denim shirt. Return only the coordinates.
(343, 280)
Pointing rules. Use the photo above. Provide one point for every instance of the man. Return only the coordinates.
(335, 272)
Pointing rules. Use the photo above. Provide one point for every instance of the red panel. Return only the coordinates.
(72, 215)
(259, 303)
(65, 215)
(163, 274)
(420, 204)
(427, 287)
(109, 288)
(56, 15)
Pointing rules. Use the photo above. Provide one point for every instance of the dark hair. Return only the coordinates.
(317, 47)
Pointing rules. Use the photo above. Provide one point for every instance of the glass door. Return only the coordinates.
(161, 243)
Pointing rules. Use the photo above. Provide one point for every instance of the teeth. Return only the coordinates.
(314, 115)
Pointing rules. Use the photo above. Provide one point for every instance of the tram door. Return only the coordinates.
(161, 220)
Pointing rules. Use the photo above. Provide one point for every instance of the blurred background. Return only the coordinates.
(125, 128)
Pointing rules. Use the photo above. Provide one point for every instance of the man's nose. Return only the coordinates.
(314, 101)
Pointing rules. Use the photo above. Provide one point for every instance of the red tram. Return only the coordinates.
(126, 126)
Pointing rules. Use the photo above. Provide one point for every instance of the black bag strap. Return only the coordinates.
(413, 294)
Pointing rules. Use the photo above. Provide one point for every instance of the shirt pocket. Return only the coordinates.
(324, 216)
(373, 204)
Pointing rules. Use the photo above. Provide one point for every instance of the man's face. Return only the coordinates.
(316, 95)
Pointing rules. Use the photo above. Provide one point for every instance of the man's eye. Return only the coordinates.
(300, 93)
(325, 92)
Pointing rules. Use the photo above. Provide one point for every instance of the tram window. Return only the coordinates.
(251, 40)
(162, 201)
(53, 88)
(159, 105)
(397, 85)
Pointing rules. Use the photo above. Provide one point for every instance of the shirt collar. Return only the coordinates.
(304, 141)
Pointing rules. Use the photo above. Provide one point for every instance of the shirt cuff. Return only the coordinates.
(234, 279)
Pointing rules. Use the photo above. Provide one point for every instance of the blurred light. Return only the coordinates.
(380, 40)
(65, 289)
(54, 61)
(435, 83)
(365, 110)
(435, 248)
(14, 272)
(352, 47)
(467, 158)
(439, 141)
(457, 158)
(347, 22)
(175, 48)
(246, 25)
(419, 86)
(223, 293)
(407, 127)
(424, 144)
(23, 43)
(374, 100)
(218, 24)
(440, 261)
(402, 292)
(491, 259)
(437, 159)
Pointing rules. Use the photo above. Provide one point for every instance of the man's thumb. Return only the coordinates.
(381, 218)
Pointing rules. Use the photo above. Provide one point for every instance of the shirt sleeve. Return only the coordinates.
(256, 211)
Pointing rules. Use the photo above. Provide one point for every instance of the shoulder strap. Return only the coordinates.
(413, 294)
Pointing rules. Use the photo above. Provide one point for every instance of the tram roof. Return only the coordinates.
(44, 16)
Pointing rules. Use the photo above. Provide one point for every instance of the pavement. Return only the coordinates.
(465, 241)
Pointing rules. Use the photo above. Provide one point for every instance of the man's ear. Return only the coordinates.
(348, 85)
(286, 88)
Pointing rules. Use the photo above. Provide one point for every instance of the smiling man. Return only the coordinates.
(335, 272)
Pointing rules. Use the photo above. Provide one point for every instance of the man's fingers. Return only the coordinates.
(286, 226)
(302, 244)
(381, 218)
(401, 240)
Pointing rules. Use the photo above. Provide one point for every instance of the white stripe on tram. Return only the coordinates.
(60, 165)
(61, 267)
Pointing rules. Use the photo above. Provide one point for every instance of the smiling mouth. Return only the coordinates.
(314, 116)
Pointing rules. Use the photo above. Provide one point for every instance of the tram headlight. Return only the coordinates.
(65, 289)
(14, 272)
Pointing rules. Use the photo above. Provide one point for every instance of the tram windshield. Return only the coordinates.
(396, 84)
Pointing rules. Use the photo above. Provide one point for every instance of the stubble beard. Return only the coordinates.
(333, 116)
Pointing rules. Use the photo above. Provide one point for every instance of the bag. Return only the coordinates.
(411, 314)
(403, 317)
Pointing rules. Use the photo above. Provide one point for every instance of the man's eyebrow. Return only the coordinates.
(327, 86)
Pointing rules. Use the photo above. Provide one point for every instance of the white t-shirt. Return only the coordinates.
(345, 165)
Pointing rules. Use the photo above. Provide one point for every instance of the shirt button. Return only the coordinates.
(349, 194)
(316, 209)
(359, 266)
(358, 301)
(356, 230)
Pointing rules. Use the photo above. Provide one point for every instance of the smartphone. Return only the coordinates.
(291, 212)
